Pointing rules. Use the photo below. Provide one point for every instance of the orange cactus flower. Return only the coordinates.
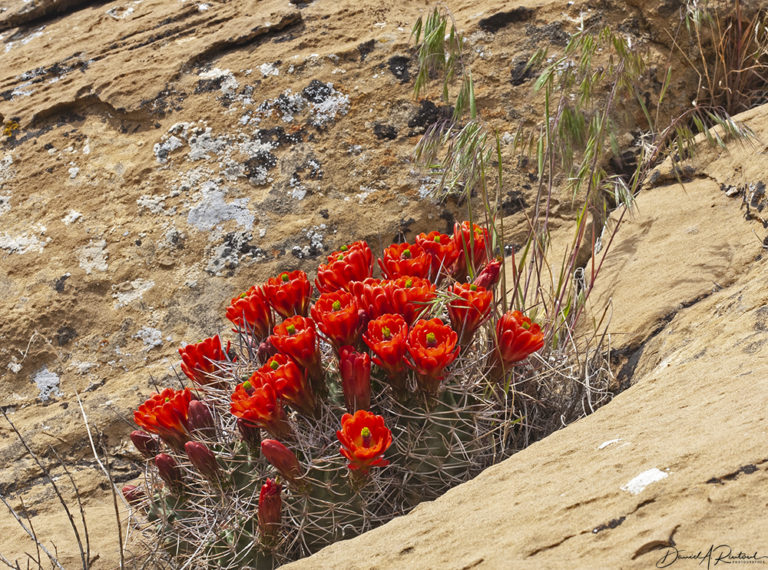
(198, 361)
(432, 346)
(364, 438)
(251, 311)
(351, 263)
(260, 407)
(517, 337)
(405, 259)
(355, 370)
(288, 380)
(372, 296)
(166, 414)
(471, 243)
(289, 293)
(410, 296)
(336, 315)
(442, 251)
(296, 337)
(469, 308)
(386, 336)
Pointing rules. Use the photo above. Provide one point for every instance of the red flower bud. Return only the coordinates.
(265, 351)
(355, 369)
(169, 472)
(199, 361)
(517, 337)
(200, 419)
(270, 504)
(489, 276)
(289, 293)
(251, 311)
(165, 414)
(147, 445)
(401, 259)
(364, 438)
(282, 459)
(203, 459)
(134, 495)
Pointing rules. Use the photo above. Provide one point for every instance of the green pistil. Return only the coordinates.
(336, 306)
(167, 400)
(431, 339)
(285, 278)
(385, 332)
(473, 287)
(525, 325)
(340, 257)
(343, 248)
(365, 433)
(408, 283)
(247, 386)
(291, 329)
(274, 365)
(406, 254)
(242, 295)
(437, 239)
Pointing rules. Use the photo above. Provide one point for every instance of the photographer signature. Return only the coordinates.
(722, 553)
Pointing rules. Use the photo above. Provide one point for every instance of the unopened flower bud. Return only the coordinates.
(355, 369)
(270, 504)
(169, 472)
(203, 459)
(200, 419)
(489, 276)
(282, 458)
(147, 445)
(265, 351)
(133, 494)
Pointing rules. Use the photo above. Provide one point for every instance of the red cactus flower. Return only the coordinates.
(270, 505)
(169, 472)
(411, 296)
(198, 361)
(469, 308)
(405, 259)
(432, 346)
(364, 438)
(260, 406)
(203, 459)
(355, 369)
(288, 293)
(147, 445)
(289, 381)
(386, 337)
(282, 459)
(251, 310)
(166, 414)
(336, 315)
(471, 243)
(296, 337)
(517, 337)
(350, 263)
(372, 297)
(442, 252)
(489, 276)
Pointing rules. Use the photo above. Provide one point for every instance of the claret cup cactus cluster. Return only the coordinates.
(335, 407)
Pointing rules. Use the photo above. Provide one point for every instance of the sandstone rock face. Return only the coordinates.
(673, 465)
(159, 157)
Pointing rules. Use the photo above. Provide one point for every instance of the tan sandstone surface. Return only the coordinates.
(159, 157)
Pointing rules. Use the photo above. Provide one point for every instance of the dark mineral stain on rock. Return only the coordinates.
(64, 335)
(365, 48)
(398, 66)
(428, 114)
(382, 132)
(494, 23)
(317, 91)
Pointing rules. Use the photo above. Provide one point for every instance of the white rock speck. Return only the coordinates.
(47, 382)
(637, 484)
